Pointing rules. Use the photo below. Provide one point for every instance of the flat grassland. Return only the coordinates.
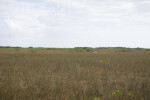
(64, 75)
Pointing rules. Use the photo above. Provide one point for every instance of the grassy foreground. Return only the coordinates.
(62, 75)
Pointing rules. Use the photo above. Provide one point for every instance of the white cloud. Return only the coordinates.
(69, 23)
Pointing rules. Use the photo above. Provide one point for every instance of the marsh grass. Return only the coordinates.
(62, 75)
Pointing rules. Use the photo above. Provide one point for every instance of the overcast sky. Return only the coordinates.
(74, 23)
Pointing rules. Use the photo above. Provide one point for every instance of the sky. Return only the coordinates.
(75, 23)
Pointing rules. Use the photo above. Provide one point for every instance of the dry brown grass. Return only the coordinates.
(61, 75)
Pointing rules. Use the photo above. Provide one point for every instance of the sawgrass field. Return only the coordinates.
(66, 75)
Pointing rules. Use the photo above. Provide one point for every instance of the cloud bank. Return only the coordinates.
(71, 23)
